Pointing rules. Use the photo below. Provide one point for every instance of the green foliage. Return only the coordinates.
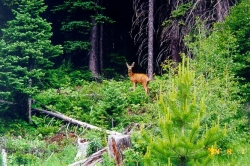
(132, 157)
(107, 160)
(96, 141)
(65, 76)
(216, 59)
(104, 104)
(25, 50)
(181, 10)
(116, 68)
(34, 151)
(238, 23)
(184, 134)
(80, 26)
(227, 46)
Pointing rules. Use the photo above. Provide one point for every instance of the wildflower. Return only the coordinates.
(213, 151)
(243, 151)
(229, 151)
(217, 151)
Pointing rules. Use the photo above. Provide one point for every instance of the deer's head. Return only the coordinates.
(130, 67)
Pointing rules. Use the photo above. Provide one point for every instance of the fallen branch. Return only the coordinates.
(6, 102)
(74, 121)
(91, 160)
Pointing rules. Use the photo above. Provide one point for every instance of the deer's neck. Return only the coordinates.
(130, 73)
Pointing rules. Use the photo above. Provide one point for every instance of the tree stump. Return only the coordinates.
(4, 157)
(116, 145)
(82, 146)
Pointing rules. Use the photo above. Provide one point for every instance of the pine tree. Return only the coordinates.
(81, 32)
(184, 134)
(25, 51)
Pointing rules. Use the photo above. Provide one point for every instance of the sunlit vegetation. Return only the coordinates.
(197, 111)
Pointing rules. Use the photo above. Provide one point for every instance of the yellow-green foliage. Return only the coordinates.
(186, 126)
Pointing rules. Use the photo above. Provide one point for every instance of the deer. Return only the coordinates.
(138, 78)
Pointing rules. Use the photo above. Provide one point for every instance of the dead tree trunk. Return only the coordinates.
(74, 121)
(151, 39)
(116, 145)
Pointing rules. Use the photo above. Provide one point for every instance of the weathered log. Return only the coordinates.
(91, 160)
(116, 145)
(74, 121)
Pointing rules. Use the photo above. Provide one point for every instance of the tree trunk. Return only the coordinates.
(175, 35)
(174, 46)
(101, 47)
(82, 149)
(116, 145)
(29, 102)
(151, 39)
(222, 9)
(93, 57)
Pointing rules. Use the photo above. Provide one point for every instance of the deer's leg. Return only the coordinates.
(134, 84)
(146, 87)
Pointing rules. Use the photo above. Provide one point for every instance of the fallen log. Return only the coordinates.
(74, 121)
(91, 160)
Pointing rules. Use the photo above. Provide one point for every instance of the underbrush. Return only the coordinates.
(112, 104)
(38, 150)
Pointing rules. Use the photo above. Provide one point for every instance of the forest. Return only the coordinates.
(168, 78)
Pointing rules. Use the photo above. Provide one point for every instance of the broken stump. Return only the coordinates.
(116, 145)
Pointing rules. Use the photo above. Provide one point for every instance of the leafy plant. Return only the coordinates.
(184, 134)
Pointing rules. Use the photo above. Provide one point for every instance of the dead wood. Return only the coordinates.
(116, 145)
(74, 121)
(7, 102)
(91, 160)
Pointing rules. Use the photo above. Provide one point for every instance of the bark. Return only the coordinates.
(151, 39)
(74, 121)
(222, 8)
(93, 57)
(116, 145)
(101, 47)
(91, 160)
(174, 46)
(29, 102)
(4, 157)
(82, 149)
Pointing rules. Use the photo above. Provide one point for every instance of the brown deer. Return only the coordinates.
(138, 78)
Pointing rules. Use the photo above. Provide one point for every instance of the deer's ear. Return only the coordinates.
(127, 64)
(133, 64)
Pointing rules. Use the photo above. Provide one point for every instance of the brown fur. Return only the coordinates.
(138, 78)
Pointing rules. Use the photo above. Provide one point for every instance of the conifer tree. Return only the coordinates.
(25, 51)
(184, 136)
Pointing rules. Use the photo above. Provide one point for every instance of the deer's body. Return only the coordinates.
(138, 78)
